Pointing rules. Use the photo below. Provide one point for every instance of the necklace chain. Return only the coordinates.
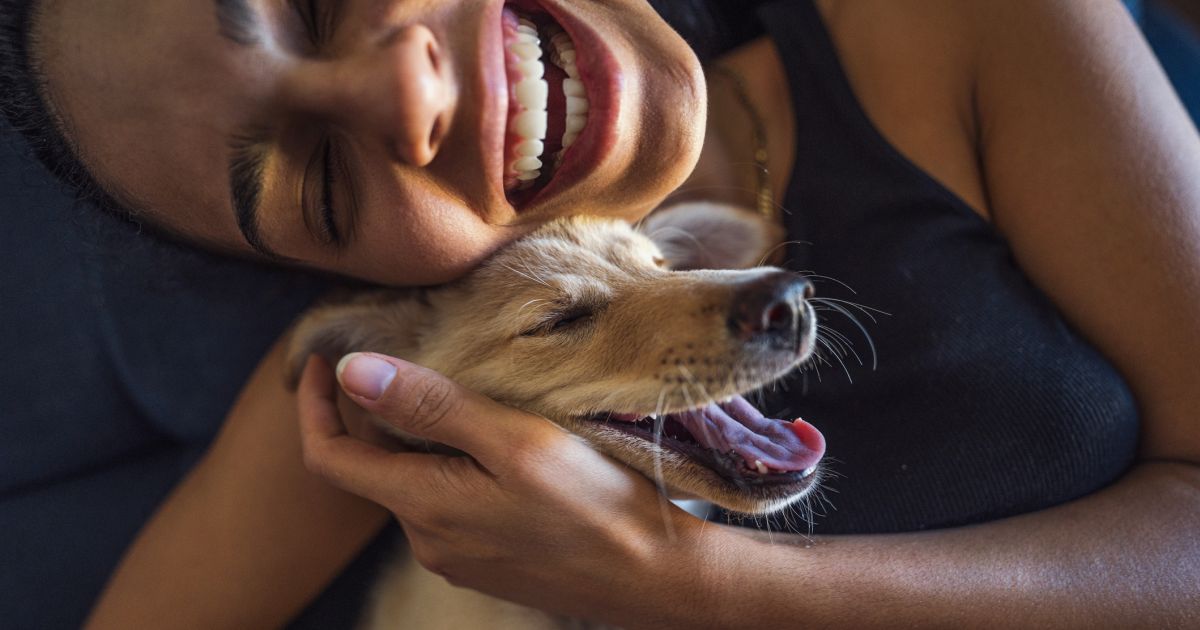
(764, 200)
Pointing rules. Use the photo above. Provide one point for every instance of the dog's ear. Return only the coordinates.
(703, 235)
(384, 321)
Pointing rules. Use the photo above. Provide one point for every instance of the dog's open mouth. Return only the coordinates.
(733, 439)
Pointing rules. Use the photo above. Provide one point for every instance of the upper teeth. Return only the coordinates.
(531, 94)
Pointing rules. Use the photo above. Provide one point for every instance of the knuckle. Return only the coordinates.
(429, 402)
(315, 461)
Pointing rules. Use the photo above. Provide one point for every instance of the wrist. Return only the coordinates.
(686, 578)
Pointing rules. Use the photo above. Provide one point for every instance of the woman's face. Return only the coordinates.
(372, 138)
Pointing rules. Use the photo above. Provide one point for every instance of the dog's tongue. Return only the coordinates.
(737, 426)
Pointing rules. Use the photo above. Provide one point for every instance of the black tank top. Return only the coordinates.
(984, 402)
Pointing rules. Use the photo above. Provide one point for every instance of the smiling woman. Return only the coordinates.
(385, 125)
(1014, 182)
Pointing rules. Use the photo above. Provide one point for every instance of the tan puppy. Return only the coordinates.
(614, 334)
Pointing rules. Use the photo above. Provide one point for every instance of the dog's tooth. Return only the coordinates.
(654, 416)
(762, 468)
(808, 471)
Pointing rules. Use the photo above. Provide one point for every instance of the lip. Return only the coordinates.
(493, 119)
(602, 80)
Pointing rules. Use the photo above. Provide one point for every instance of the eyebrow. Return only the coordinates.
(238, 22)
(246, 167)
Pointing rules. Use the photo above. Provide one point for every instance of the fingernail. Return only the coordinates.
(364, 375)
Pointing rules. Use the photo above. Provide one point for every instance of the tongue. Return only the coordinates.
(737, 426)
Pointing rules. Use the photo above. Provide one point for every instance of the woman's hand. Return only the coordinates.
(534, 516)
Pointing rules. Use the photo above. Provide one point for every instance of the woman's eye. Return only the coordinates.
(316, 199)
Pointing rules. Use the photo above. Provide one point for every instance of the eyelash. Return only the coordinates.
(328, 219)
(561, 322)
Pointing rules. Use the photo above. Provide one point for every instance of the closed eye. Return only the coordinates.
(562, 322)
(316, 198)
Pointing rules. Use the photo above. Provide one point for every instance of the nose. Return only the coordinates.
(401, 89)
(771, 308)
(423, 91)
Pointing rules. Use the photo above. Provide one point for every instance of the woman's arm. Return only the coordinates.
(1093, 174)
(249, 537)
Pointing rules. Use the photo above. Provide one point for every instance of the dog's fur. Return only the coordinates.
(583, 318)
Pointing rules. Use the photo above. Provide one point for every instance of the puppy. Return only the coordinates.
(633, 340)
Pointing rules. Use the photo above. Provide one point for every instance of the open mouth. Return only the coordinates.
(731, 438)
(548, 105)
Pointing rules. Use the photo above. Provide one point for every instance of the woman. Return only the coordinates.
(935, 154)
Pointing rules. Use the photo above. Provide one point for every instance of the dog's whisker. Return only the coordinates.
(870, 342)
(525, 275)
(835, 333)
(664, 504)
(767, 256)
(839, 359)
(809, 275)
(838, 343)
(865, 310)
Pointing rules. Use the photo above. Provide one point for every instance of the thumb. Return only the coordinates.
(423, 403)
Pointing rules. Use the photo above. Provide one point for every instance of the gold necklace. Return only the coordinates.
(764, 199)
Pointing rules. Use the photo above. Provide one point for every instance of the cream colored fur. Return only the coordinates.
(648, 338)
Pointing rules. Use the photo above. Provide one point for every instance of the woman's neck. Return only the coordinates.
(726, 170)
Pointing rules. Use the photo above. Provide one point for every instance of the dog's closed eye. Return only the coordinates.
(562, 321)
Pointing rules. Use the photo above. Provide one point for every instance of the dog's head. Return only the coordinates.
(615, 334)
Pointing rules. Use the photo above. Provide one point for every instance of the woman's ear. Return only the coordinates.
(703, 235)
(388, 322)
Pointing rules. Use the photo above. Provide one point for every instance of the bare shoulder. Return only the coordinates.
(911, 66)
(1083, 159)
(1089, 163)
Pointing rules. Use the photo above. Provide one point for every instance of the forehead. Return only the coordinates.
(147, 94)
(572, 258)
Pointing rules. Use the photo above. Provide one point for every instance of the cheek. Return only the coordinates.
(414, 248)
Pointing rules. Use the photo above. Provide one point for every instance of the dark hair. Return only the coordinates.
(24, 104)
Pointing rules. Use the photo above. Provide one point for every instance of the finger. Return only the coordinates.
(426, 404)
(406, 483)
(329, 450)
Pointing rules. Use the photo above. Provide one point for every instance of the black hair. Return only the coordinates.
(711, 27)
(23, 102)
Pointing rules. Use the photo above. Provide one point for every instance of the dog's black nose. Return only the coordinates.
(771, 306)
